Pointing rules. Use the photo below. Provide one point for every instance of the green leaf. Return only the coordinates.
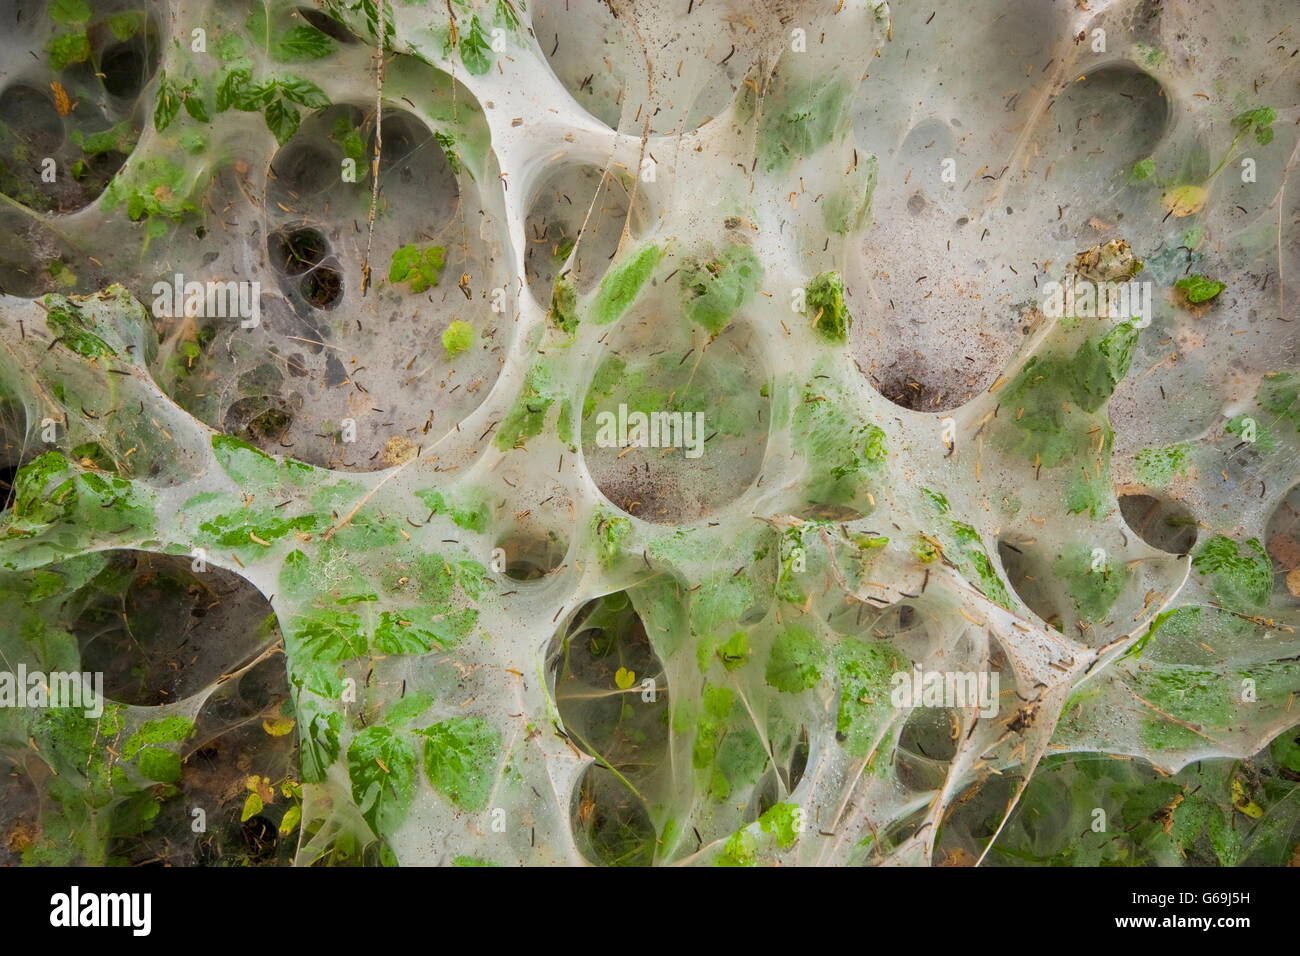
(715, 289)
(741, 849)
(1241, 581)
(865, 670)
(382, 767)
(564, 306)
(800, 116)
(300, 43)
(734, 651)
(230, 47)
(406, 709)
(325, 634)
(421, 267)
(69, 12)
(466, 511)
(252, 807)
(1258, 121)
(67, 49)
(1144, 169)
(236, 88)
(295, 574)
(167, 105)
(796, 661)
(457, 338)
(71, 326)
(475, 50)
(1286, 749)
(163, 766)
(1198, 288)
(163, 731)
(320, 745)
(126, 25)
(282, 119)
(303, 92)
(244, 463)
(506, 16)
(620, 286)
(1158, 466)
(827, 313)
(460, 757)
(195, 106)
(782, 820)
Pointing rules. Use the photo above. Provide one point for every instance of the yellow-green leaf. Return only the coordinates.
(1184, 200)
(291, 818)
(252, 807)
(1242, 801)
(278, 727)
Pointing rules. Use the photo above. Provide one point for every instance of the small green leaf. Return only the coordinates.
(457, 338)
(827, 312)
(620, 286)
(67, 49)
(252, 807)
(292, 817)
(421, 267)
(167, 105)
(1258, 121)
(1198, 288)
(783, 821)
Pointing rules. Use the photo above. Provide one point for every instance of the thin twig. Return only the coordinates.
(379, 149)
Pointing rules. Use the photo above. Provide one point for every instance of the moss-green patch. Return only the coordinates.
(848, 207)
(716, 287)
(468, 511)
(1194, 695)
(1094, 584)
(421, 267)
(1157, 467)
(72, 328)
(801, 114)
(564, 306)
(842, 452)
(797, 660)
(827, 313)
(1241, 576)
(865, 671)
(527, 416)
(1045, 395)
(609, 531)
(457, 338)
